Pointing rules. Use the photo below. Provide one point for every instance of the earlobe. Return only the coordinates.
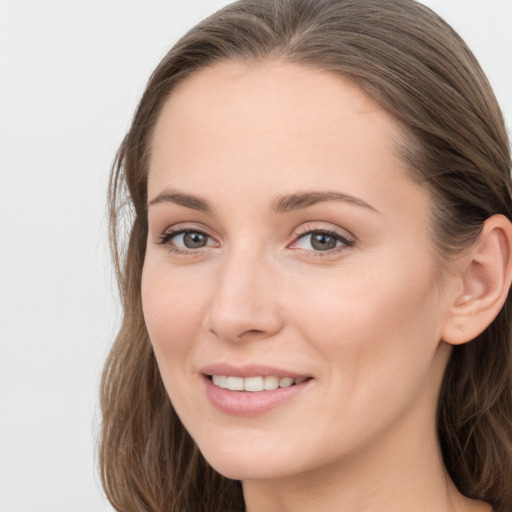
(486, 276)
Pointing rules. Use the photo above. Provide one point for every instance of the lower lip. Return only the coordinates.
(250, 403)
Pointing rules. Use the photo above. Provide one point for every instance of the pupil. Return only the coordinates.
(322, 242)
(194, 240)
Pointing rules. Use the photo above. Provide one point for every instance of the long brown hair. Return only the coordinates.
(417, 68)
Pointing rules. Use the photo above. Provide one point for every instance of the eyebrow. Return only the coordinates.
(182, 199)
(294, 202)
(282, 204)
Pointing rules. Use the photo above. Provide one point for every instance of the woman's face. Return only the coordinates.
(287, 245)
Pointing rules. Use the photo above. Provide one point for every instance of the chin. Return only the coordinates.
(249, 470)
(252, 464)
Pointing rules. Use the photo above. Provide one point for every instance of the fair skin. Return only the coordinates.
(340, 288)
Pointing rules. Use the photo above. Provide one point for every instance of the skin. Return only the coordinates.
(364, 320)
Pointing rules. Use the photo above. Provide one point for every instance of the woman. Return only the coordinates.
(315, 283)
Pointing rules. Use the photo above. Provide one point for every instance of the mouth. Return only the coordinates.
(253, 394)
(255, 384)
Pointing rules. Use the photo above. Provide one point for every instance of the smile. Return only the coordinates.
(255, 394)
(255, 384)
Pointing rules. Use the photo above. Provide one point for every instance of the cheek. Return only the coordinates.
(372, 320)
(379, 337)
(172, 309)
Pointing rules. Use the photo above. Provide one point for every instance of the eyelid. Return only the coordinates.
(182, 227)
(314, 228)
(347, 239)
(165, 237)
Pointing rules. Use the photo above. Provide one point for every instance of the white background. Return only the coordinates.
(71, 73)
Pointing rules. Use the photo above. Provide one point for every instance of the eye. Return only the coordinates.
(190, 239)
(321, 240)
(184, 241)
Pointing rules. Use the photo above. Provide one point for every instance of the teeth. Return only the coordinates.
(253, 384)
(220, 380)
(270, 383)
(285, 382)
(236, 383)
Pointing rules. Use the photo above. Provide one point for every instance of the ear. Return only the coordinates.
(485, 275)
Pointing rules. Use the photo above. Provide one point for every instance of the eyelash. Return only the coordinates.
(345, 242)
(165, 239)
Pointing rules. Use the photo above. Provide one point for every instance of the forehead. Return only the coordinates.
(269, 96)
(266, 82)
(274, 125)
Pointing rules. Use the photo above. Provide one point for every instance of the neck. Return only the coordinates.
(399, 472)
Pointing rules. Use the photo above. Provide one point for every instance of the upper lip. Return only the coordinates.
(250, 370)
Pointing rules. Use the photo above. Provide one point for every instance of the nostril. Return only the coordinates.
(250, 331)
(241, 321)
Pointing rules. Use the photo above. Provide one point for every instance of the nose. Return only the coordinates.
(244, 303)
